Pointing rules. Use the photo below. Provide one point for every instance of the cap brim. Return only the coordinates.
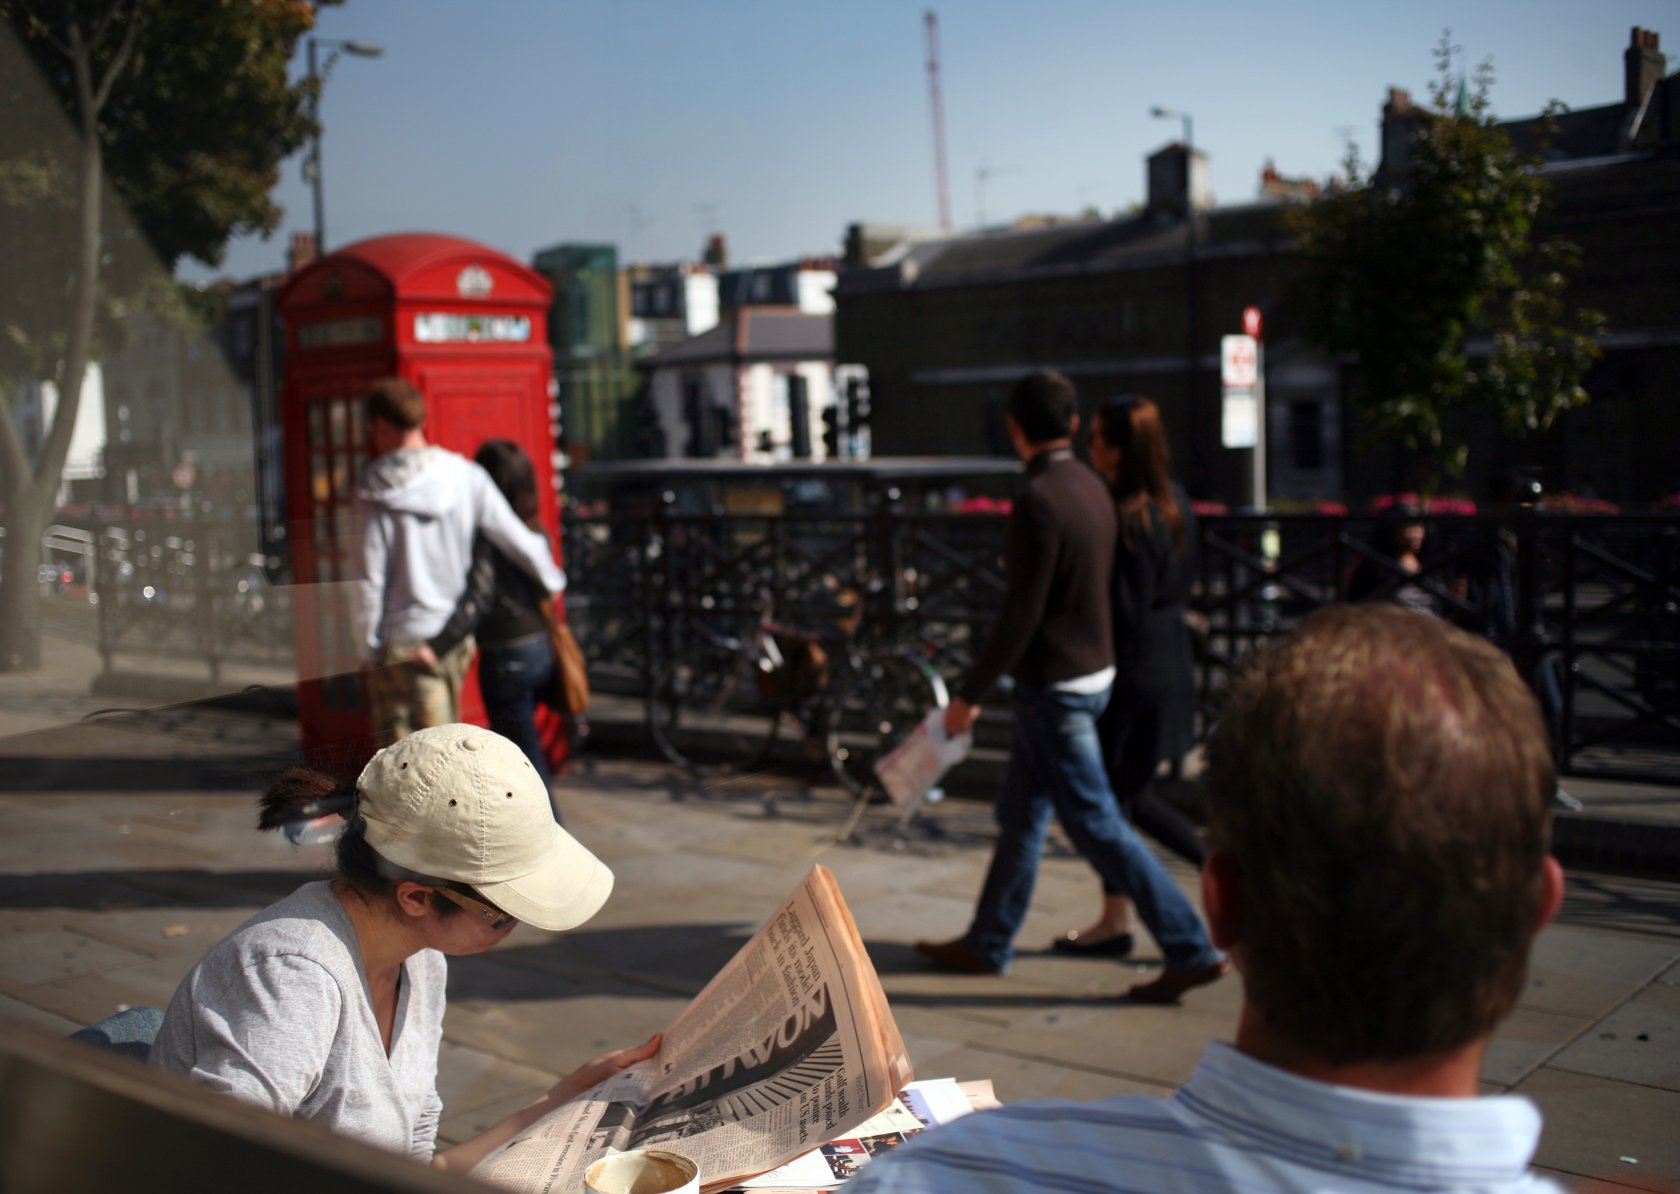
(567, 890)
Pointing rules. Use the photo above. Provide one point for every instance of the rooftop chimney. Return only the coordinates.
(1642, 66)
(1178, 180)
(301, 252)
(717, 251)
(1402, 121)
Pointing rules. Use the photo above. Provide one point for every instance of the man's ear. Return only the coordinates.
(1551, 891)
(1222, 899)
(1073, 427)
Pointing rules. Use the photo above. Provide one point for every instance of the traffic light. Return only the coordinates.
(650, 432)
(831, 431)
(728, 441)
(857, 418)
(799, 417)
(702, 427)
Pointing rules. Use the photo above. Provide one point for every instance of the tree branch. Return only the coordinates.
(119, 61)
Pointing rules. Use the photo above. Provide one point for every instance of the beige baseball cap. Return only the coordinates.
(463, 803)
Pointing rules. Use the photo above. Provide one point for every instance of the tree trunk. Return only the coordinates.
(20, 600)
(34, 492)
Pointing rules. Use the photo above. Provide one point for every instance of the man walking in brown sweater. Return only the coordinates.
(1055, 639)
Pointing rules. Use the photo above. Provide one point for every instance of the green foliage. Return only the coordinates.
(1413, 278)
(198, 119)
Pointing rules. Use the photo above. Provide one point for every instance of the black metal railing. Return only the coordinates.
(1588, 606)
(188, 588)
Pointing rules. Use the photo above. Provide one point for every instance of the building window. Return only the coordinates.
(1306, 435)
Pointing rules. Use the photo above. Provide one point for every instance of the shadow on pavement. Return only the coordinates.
(161, 888)
(223, 773)
(1640, 907)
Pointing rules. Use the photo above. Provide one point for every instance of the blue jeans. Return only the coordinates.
(513, 677)
(129, 1032)
(1055, 764)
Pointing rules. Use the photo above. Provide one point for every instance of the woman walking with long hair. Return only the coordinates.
(502, 607)
(1151, 714)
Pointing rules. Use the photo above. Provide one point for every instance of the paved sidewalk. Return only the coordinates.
(129, 848)
(108, 893)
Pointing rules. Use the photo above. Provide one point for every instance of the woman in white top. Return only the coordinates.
(328, 1004)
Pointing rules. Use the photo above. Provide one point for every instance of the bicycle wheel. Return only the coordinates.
(714, 709)
(879, 703)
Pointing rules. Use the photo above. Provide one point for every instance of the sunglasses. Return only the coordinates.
(497, 919)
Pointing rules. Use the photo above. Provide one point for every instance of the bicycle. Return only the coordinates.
(722, 704)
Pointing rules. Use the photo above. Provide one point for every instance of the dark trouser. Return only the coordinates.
(1131, 749)
(513, 677)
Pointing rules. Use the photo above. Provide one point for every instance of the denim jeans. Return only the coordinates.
(513, 677)
(1055, 764)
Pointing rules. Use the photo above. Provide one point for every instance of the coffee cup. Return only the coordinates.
(643, 1171)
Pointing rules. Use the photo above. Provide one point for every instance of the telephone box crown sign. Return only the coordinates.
(473, 282)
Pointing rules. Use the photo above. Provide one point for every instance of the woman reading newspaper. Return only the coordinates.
(328, 1005)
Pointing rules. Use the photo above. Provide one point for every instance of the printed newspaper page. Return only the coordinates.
(789, 1046)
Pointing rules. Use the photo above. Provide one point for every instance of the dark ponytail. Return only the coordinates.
(299, 796)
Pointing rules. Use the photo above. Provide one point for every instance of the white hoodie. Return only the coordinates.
(417, 511)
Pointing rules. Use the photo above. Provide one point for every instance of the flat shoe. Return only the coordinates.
(1117, 946)
(954, 955)
(1173, 983)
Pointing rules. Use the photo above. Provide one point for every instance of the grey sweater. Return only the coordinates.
(278, 1013)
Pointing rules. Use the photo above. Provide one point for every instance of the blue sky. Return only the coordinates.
(649, 123)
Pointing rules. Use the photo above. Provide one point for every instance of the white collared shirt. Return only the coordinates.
(1237, 1124)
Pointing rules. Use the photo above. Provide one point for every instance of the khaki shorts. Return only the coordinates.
(408, 696)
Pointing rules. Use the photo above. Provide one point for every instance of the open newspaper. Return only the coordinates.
(790, 1045)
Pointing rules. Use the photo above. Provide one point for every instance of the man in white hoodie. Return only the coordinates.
(417, 509)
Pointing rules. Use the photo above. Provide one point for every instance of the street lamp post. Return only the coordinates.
(1189, 272)
(312, 167)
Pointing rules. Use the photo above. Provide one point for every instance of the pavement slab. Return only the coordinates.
(1606, 1131)
(1579, 970)
(1638, 1042)
(1526, 1040)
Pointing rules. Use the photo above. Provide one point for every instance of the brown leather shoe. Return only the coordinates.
(1173, 983)
(954, 955)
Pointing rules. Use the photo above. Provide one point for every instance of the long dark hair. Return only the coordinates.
(1132, 423)
(513, 474)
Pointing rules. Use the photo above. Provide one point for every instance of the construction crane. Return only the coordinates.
(941, 188)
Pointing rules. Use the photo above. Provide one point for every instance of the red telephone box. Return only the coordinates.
(466, 325)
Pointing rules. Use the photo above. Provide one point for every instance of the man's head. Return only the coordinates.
(395, 410)
(1379, 806)
(1043, 408)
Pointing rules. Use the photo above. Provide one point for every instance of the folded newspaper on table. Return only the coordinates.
(790, 1045)
(920, 1105)
(912, 767)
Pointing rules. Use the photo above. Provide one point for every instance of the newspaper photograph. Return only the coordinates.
(788, 1047)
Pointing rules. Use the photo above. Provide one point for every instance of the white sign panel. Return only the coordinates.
(438, 327)
(1239, 362)
(1240, 427)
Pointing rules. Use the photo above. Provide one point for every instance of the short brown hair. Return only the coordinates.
(396, 402)
(1383, 783)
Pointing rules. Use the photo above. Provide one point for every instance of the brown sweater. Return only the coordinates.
(1056, 623)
